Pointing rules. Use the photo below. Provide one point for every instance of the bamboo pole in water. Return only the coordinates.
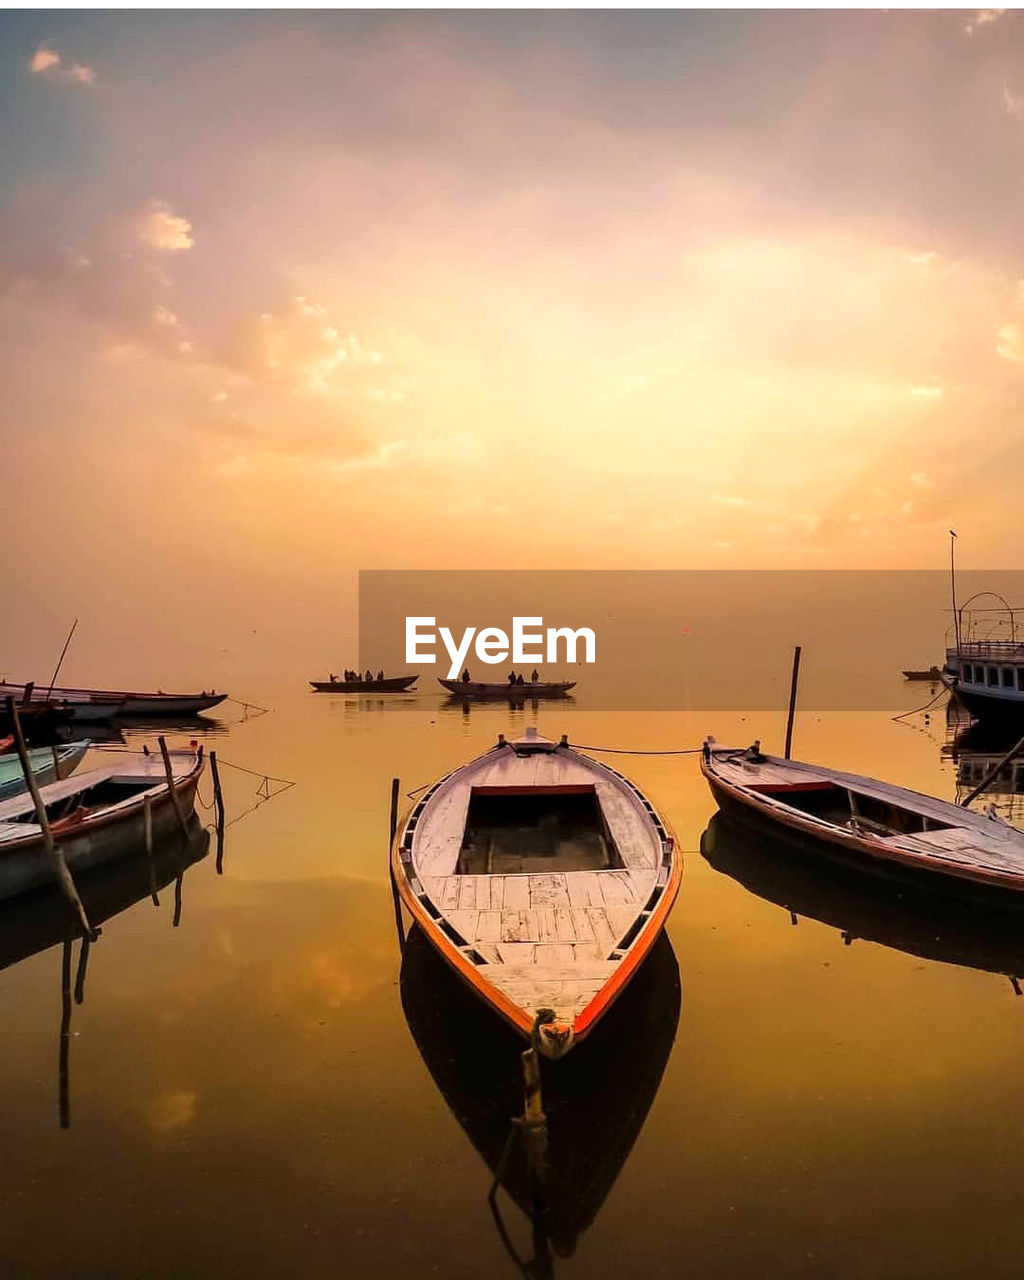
(147, 839)
(53, 851)
(794, 681)
(392, 829)
(218, 800)
(169, 773)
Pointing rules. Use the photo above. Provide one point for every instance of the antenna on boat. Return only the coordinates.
(952, 588)
(60, 660)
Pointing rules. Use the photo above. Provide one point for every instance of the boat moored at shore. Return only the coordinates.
(879, 827)
(543, 878)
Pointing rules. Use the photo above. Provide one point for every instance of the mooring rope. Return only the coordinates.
(903, 715)
(627, 751)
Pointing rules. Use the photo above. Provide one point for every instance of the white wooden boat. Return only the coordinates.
(543, 878)
(110, 702)
(94, 816)
(879, 826)
(985, 662)
(48, 764)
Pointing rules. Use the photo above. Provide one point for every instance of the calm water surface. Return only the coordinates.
(253, 1092)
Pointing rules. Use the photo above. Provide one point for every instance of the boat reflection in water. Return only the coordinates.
(867, 907)
(596, 1100)
(977, 749)
(45, 919)
(515, 699)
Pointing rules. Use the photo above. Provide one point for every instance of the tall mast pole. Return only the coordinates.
(952, 589)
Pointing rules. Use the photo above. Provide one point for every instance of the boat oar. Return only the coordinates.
(992, 773)
(53, 851)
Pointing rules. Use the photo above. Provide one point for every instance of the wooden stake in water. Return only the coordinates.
(792, 700)
(218, 801)
(392, 829)
(53, 852)
(147, 838)
(169, 773)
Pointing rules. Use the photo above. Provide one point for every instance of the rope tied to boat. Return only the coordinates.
(905, 715)
(628, 751)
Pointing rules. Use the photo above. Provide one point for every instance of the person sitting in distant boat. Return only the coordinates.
(511, 677)
(333, 678)
(535, 677)
(380, 676)
(465, 676)
(519, 679)
(369, 676)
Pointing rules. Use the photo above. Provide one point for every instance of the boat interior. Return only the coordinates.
(510, 831)
(100, 795)
(847, 807)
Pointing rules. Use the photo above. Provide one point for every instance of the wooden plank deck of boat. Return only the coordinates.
(545, 937)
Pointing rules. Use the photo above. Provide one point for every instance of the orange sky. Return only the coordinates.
(286, 296)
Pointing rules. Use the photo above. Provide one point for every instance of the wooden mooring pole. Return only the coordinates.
(64, 1050)
(218, 803)
(794, 681)
(169, 773)
(147, 839)
(392, 829)
(53, 852)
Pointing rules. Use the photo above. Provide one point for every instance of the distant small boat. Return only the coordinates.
(84, 704)
(875, 825)
(47, 764)
(94, 816)
(528, 689)
(391, 684)
(543, 878)
(933, 674)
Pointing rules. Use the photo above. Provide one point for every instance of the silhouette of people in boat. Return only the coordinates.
(535, 677)
(465, 676)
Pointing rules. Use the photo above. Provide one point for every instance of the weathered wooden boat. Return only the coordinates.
(528, 689)
(543, 878)
(596, 1102)
(390, 684)
(94, 816)
(932, 673)
(48, 764)
(871, 824)
(154, 705)
(793, 875)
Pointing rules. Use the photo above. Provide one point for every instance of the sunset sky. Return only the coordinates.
(285, 296)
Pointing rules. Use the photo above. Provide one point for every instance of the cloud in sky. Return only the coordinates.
(46, 61)
(163, 229)
(436, 232)
(982, 18)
